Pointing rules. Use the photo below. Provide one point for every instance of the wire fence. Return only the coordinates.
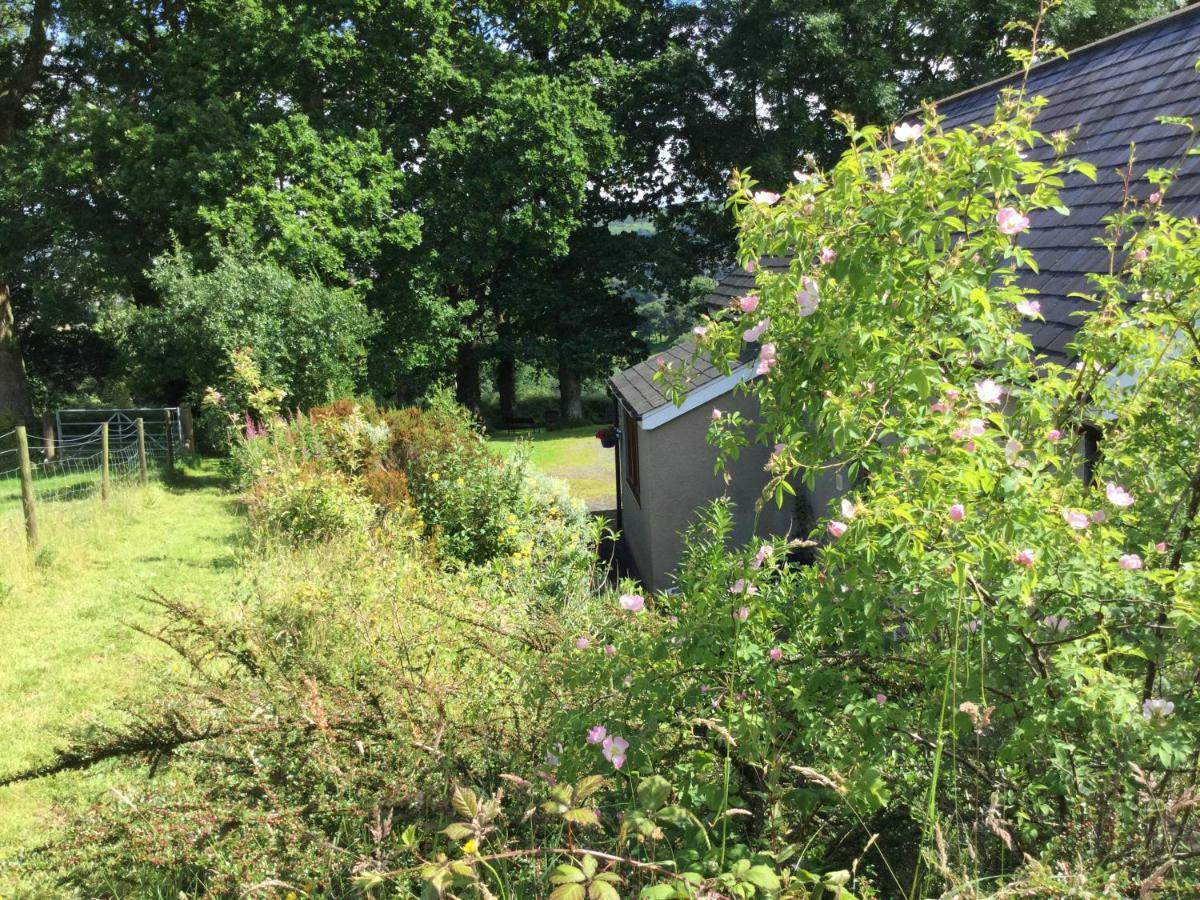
(72, 468)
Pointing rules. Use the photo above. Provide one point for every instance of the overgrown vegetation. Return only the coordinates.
(978, 679)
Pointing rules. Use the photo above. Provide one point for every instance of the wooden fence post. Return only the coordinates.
(170, 445)
(185, 422)
(48, 435)
(104, 461)
(27, 499)
(141, 448)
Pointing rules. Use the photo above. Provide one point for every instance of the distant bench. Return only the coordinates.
(518, 423)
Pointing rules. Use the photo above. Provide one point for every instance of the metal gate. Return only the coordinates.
(77, 431)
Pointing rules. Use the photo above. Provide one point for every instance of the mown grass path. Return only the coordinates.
(67, 652)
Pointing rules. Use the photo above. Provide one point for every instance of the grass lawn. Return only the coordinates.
(67, 653)
(572, 454)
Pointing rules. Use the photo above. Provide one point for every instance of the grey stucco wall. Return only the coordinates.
(677, 479)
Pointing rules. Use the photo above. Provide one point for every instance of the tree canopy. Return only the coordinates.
(457, 164)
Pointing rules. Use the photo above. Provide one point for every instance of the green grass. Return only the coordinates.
(67, 652)
(572, 454)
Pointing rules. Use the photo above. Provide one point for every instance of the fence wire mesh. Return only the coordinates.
(68, 466)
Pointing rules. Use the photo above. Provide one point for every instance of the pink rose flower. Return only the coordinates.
(1156, 198)
(808, 298)
(1141, 254)
(1029, 308)
(827, 256)
(1099, 516)
(766, 198)
(1117, 495)
(614, 750)
(741, 586)
(976, 427)
(1130, 561)
(1161, 546)
(1076, 519)
(742, 613)
(716, 415)
(776, 654)
(764, 553)
(748, 303)
(969, 446)
(1054, 435)
(1057, 623)
(1009, 221)
(633, 602)
(836, 528)
(766, 359)
(596, 734)
(957, 512)
(1026, 558)
(752, 334)
(881, 699)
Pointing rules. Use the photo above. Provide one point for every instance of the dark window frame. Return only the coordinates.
(631, 456)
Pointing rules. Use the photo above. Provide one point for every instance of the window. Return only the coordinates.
(629, 435)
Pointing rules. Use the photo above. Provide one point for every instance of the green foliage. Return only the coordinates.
(314, 505)
(305, 339)
(990, 655)
(359, 679)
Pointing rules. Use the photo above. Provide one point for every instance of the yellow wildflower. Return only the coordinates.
(471, 847)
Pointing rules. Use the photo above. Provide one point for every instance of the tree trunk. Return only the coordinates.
(570, 394)
(28, 69)
(466, 390)
(14, 386)
(506, 384)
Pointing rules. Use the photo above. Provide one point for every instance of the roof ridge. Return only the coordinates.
(1193, 9)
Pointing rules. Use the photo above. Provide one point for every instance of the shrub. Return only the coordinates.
(309, 504)
(306, 339)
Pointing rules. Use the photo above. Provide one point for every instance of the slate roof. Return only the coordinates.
(1109, 94)
(636, 385)
(739, 281)
(1112, 91)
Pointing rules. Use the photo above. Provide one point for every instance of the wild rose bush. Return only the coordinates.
(991, 655)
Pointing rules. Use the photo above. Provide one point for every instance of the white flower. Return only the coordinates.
(989, 392)
(1157, 709)
(908, 131)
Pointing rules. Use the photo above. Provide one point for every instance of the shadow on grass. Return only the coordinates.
(538, 435)
(196, 474)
